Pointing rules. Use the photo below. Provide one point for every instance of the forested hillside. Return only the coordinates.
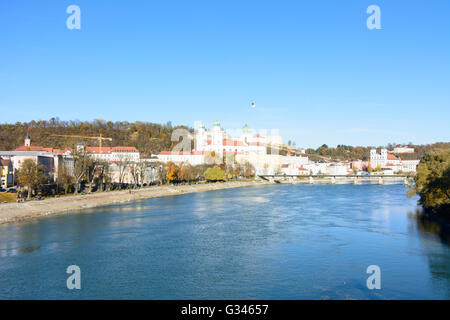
(147, 137)
(151, 138)
(343, 152)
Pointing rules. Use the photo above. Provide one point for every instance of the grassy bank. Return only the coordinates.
(7, 197)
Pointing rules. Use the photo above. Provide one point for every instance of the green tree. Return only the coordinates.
(215, 174)
(432, 181)
(31, 175)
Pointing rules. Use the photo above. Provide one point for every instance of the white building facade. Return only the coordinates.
(248, 147)
(388, 161)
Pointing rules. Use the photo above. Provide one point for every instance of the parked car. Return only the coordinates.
(2, 190)
(12, 190)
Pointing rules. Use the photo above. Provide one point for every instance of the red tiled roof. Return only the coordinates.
(38, 148)
(179, 153)
(109, 149)
(124, 149)
(255, 144)
(194, 153)
(97, 150)
(232, 143)
(391, 157)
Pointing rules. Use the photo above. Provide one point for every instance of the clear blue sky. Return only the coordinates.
(312, 67)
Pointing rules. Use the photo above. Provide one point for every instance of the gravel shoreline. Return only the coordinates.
(12, 212)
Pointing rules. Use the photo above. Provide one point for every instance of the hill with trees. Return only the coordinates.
(148, 138)
(344, 152)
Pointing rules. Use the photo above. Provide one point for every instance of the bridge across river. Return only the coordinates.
(333, 178)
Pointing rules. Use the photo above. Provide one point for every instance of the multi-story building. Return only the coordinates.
(6, 173)
(246, 147)
(382, 159)
(390, 162)
(115, 154)
(398, 150)
(49, 158)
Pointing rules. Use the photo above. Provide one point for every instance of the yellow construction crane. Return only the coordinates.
(100, 138)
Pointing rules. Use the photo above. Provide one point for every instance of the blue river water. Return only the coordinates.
(262, 242)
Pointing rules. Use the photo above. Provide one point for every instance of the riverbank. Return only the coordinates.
(12, 212)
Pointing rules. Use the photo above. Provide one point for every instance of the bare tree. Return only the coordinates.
(142, 172)
(81, 162)
(122, 165)
(134, 170)
(64, 178)
(104, 174)
(91, 172)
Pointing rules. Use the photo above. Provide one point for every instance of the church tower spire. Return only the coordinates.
(27, 140)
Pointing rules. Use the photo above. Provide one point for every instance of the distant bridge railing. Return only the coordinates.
(334, 175)
(334, 178)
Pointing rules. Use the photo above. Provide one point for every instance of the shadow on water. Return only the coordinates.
(29, 249)
(429, 225)
(432, 228)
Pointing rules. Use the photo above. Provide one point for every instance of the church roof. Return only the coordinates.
(246, 129)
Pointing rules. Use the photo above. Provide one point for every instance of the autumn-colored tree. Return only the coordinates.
(172, 171)
(215, 174)
(31, 175)
(248, 170)
(186, 172)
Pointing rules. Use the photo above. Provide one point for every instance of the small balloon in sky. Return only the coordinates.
(253, 105)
